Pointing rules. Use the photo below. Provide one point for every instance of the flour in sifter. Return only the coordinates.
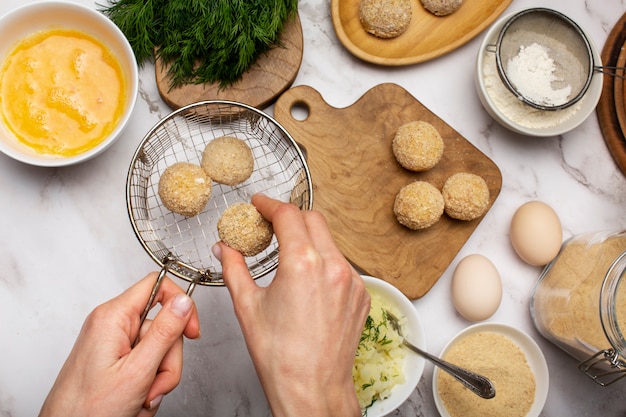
(516, 110)
(531, 71)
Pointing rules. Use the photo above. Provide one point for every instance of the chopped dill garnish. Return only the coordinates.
(372, 332)
(371, 383)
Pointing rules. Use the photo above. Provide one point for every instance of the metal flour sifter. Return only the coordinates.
(569, 50)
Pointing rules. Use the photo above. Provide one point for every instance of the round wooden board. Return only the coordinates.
(606, 110)
(427, 37)
(269, 76)
(618, 91)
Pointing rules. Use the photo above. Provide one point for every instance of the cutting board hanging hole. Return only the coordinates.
(299, 111)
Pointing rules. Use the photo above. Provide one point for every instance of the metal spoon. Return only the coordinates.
(478, 384)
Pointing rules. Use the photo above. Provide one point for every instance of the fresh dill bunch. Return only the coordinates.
(137, 20)
(202, 41)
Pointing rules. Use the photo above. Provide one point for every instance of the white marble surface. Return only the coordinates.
(66, 243)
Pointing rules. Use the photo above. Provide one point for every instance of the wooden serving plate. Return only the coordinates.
(427, 37)
(269, 76)
(356, 178)
(606, 110)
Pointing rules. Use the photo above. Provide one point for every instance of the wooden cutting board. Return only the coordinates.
(269, 76)
(356, 178)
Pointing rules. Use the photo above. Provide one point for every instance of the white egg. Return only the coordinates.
(476, 288)
(536, 233)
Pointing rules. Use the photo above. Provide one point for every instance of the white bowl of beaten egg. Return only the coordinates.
(390, 371)
(512, 113)
(509, 357)
(68, 83)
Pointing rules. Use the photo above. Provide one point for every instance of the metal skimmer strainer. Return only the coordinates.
(182, 245)
(566, 45)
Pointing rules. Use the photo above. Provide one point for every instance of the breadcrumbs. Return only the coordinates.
(498, 358)
(567, 298)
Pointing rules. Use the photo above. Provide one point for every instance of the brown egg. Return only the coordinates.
(536, 233)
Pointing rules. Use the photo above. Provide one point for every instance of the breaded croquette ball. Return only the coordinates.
(385, 18)
(243, 228)
(466, 196)
(442, 7)
(417, 146)
(418, 205)
(184, 188)
(228, 160)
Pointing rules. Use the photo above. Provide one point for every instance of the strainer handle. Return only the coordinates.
(155, 290)
(491, 48)
(192, 286)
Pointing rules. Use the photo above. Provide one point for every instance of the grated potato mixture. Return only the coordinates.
(379, 360)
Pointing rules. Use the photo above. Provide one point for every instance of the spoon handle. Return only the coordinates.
(474, 382)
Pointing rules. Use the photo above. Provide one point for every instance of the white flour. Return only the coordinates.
(516, 110)
(531, 71)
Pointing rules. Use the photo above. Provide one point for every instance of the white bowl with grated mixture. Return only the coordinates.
(400, 368)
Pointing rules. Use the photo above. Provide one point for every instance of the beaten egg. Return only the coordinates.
(62, 92)
(476, 288)
(536, 233)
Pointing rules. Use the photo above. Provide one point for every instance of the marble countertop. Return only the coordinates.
(66, 243)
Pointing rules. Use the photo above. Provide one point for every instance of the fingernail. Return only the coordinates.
(156, 401)
(217, 251)
(181, 306)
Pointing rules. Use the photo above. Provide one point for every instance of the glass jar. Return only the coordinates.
(579, 303)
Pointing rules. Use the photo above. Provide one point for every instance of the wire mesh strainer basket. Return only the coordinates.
(182, 245)
(568, 50)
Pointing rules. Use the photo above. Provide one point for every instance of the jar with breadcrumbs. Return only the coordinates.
(579, 303)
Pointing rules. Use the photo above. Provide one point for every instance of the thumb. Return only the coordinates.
(166, 328)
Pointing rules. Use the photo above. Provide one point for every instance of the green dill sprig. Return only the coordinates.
(202, 41)
(368, 384)
(372, 333)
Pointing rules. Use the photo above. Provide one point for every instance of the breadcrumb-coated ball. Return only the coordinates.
(417, 146)
(385, 18)
(418, 205)
(243, 228)
(228, 160)
(442, 7)
(184, 188)
(466, 196)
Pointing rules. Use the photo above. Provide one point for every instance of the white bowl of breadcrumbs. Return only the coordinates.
(510, 358)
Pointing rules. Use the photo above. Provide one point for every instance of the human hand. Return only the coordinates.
(303, 329)
(105, 376)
